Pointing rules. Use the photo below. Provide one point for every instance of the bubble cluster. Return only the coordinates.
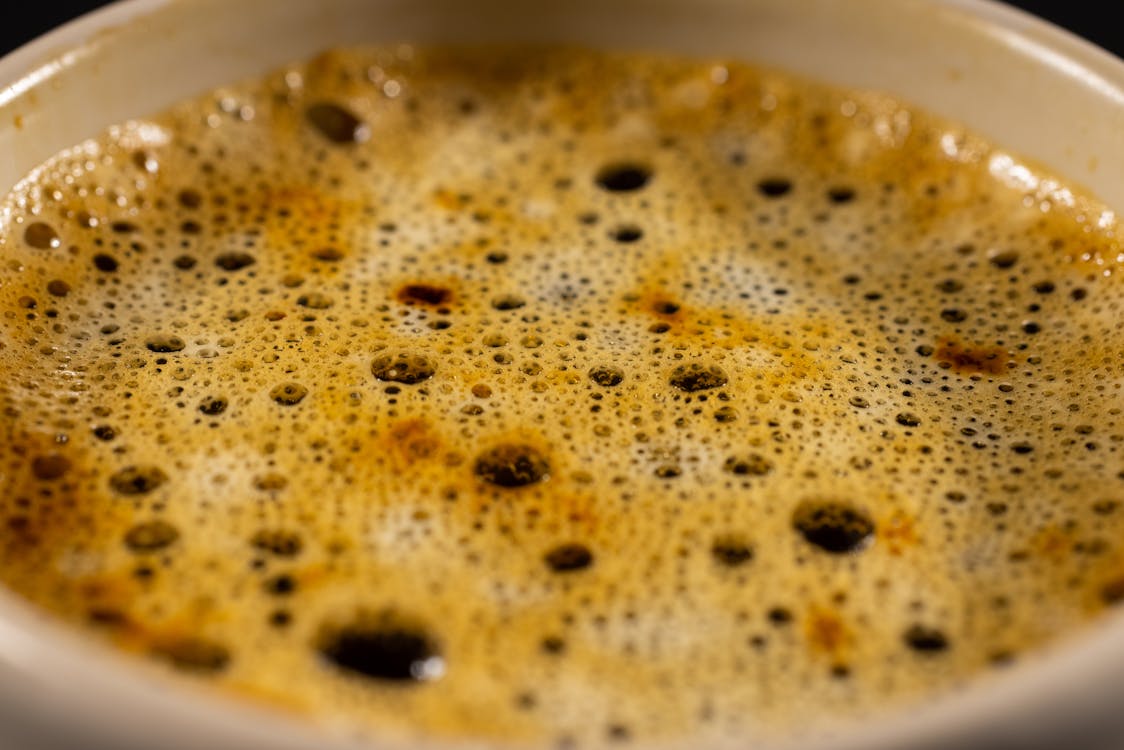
(560, 399)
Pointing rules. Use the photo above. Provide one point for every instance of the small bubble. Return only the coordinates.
(907, 419)
(753, 464)
(212, 406)
(606, 376)
(696, 377)
(337, 124)
(235, 261)
(104, 432)
(165, 344)
(403, 367)
(41, 236)
(725, 414)
(383, 647)
(277, 542)
(626, 233)
(58, 288)
(184, 262)
(731, 551)
(151, 536)
(623, 177)
(774, 187)
(281, 585)
(840, 195)
(327, 254)
(314, 301)
(106, 263)
(189, 198)
(925, 639)
(50, 467)
(1003, 258)
(137, 480)
(288, 394)
(567, 558)
(512, 465)
(508, 302)
(833, 526)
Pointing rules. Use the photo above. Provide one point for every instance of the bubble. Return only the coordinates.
(567, 558)
(508, 302)
(626, 233)
(235, 261)
(58, 288)
(841, 194)
(281, 585)
(512, 465)
(833, 526)
(105, 432)
(165, 344)
(105, 263)
(137, 480)
(731, 551)
(277, 542)
(184, 262)
(907, 419)
(774, 187)
(50, 466)
(189, 198)
(752, 464)
(384, 648)
(288, 394)
(694, 377)
(1003, 258)
(606, 376)
(314, 301)
(337, 124)
(925, 640)
(151, 536)
(328, 254)
(41, 236)
(403, 367)
(212, 406)
(623, 177)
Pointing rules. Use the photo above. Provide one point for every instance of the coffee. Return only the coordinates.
(560, 398)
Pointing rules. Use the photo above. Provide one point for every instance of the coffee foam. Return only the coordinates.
(550, 397)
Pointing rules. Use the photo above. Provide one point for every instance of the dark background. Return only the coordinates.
(1088, 18)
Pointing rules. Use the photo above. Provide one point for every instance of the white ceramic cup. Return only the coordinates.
(1026, 85)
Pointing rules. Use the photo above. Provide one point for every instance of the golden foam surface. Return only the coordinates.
(558, 398)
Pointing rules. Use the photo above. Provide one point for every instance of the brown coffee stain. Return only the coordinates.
(425, 294)
(411, 442)
(898, 533)
(826, 632)
(969, 359)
